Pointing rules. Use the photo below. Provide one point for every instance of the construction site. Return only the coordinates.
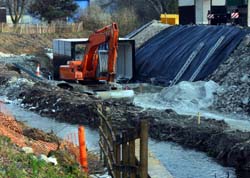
(166, 100)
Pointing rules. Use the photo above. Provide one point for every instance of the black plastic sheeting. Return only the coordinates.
(161, 57)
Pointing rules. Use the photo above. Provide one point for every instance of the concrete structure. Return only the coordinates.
(68, 49)
(195, 11)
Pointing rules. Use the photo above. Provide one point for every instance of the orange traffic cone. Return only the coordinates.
(38, 70)
(83, 150)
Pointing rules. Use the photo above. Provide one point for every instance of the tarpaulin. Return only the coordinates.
(161, 58)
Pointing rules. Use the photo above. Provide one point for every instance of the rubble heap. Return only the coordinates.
(234, 77)
(148, 33)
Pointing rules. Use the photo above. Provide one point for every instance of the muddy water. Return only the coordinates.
(182, 163)
(186, 163)
(63, 130)
(188, 99)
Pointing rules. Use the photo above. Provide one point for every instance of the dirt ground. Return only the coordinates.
(32, 43)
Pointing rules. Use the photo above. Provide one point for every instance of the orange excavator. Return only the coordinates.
(96, 64)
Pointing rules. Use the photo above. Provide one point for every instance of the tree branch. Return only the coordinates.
(156, 5)
(16, 9)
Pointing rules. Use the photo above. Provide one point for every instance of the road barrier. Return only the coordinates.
(118, 149)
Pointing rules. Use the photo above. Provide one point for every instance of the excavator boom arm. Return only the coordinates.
(108, 34)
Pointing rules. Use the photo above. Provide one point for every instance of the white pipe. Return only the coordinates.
(116, 94)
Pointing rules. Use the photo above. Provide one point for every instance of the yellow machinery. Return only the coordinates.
(171, 19)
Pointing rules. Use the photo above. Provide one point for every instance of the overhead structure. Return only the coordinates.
(197, 11)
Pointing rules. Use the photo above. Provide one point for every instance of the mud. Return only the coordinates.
(37, 134)
(64, 105)
(216, 138)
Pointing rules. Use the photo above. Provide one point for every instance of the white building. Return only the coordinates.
(195, 11)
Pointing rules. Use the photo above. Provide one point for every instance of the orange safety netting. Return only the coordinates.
(10, 128)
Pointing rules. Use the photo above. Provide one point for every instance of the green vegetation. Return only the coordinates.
(52, 10)
(16, 164)
(128, 14)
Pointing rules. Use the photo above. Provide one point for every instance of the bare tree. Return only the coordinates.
(163, 6)
(16, 9)
(145, 9)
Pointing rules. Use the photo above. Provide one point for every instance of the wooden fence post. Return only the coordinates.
(119, 149)
(144, 149)
(132, 157)
(125, 157)
(117, 152)
(105, 131)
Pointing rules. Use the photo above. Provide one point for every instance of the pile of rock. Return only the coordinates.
(234, 77)
(149, 32)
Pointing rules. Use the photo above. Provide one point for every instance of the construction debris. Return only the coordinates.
(143, 34)
(234, 78)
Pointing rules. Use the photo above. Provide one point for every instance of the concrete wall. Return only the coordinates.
(201, 8)
(199, 12)
(186, 2)
(206, 8)
(218, 2)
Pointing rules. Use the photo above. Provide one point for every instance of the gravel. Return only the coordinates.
(234, 77)
(149, 32)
